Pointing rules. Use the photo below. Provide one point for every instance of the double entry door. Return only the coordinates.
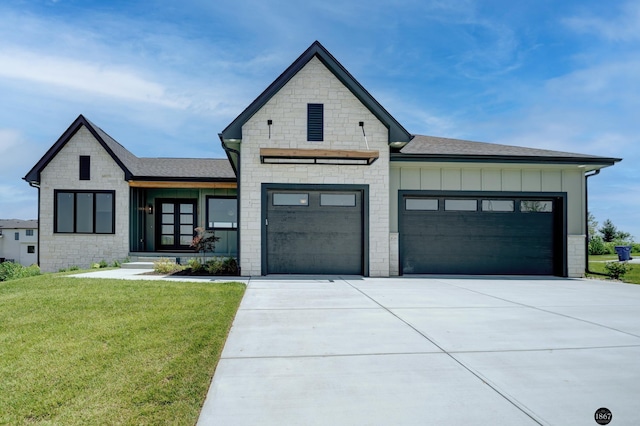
(175, 223)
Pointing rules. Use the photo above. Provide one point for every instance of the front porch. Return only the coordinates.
(163, 217)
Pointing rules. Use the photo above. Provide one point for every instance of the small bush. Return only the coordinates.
(166, 266)
(616, 270)
(95, 266)
(213, 266)
(103, 263)
(13, 271)
(59, 270)
(597, 246)
(195, 265)
(74, 268)
(222, 266)
(116, 264)
(635, 248)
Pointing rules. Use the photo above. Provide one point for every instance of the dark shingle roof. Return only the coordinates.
(18, 224)
(205, 168)
(438, 148)
(200, 169)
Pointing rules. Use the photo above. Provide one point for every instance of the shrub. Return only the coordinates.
(103, 264)
(222, 266)
(195, 265)
(166, 266)
(213, 266)
(12, 271)
(230, 266)
(597, 246)
(116, 264)
(616, 270)
(95, 266)
(74, 268)
(635, 248)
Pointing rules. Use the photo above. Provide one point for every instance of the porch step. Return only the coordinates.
(137, 265)
(150, 259)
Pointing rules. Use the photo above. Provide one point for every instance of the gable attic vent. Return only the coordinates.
(315, 122)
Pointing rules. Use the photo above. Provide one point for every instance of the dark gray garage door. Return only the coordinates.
(481, 235)
(314, 232)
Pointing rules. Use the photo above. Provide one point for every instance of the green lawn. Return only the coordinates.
(90, 351)
(596, 264)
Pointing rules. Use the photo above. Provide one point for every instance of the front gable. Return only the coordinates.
(346, 123)
(81, 124)
(394, 130)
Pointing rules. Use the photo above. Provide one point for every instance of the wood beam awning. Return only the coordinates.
(318, 156)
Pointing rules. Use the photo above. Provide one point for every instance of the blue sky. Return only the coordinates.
(165, 77)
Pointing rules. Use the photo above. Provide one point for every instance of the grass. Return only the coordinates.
(596, 264)
(92, 351)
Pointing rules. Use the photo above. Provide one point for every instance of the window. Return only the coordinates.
(315, 122)
(16, 236)
(31, 249)
(342, 200)
(84, 212)
(536, 206)
(85, 167)
(222, 213)
(497, 206)
(287, 199)
(421, 204)
(29, 232)
(461, 205)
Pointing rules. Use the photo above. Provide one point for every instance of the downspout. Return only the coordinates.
(586, 223)
(34, 185)
(228, 151)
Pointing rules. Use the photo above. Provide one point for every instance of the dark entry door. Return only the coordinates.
(314, 232)
(175, 224)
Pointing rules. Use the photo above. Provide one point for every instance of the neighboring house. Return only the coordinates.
(19, 241)
(328, 182)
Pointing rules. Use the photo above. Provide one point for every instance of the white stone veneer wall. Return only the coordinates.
(576, 255)
(288, 110)
(64, 250)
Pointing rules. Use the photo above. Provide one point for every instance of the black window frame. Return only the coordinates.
(16, 236)
(31, 249)
(75, 211)
(29, 232)
(207, 211)
(85, 167)
(315, 122)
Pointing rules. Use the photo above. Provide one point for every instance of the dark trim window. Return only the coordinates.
(16, 236)
(84, 212)
(31, 249)
(289, 199)
(29, 233)
(222, 212)
(85, 167)
(315, 122)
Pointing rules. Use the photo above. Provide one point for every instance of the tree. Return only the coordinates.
(611, 233)
(592, 225)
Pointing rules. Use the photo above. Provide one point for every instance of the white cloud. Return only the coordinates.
(623, 27)
(94, 78)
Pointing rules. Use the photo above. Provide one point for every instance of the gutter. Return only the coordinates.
(586, 223)
(37, 185)
(228, 151)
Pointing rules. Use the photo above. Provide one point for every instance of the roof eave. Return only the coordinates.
(512, 159)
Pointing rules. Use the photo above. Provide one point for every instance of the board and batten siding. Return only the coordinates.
(496, 177)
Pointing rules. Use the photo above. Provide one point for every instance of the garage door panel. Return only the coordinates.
(315, 239)
(477, 242)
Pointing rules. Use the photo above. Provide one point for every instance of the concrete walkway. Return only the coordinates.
(415, 351)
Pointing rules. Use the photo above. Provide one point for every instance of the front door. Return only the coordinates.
(175, 223)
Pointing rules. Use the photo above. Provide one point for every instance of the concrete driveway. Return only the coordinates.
(452, 351)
